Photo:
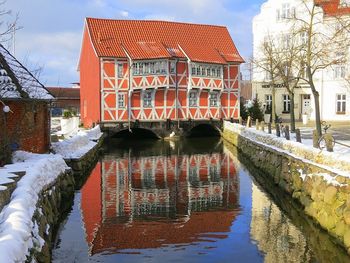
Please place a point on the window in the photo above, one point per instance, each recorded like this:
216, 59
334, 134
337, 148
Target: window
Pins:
206, 70
303, 38
120, 70
213, 99
341, 103
285, 12
150, 68
268, 76
147, 99
192, 99
121, 101
268, 101
286, 104
339, 71
286, 41
172, 67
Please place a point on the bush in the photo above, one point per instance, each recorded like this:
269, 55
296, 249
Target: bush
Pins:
243, 110
255, 111
67, 114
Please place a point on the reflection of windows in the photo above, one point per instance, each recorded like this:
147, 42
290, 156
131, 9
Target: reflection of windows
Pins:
147, 99
121, 101
341, 103
193, 173
286, 103
213, 99
148, 178
121, 175
214, 173
193, 99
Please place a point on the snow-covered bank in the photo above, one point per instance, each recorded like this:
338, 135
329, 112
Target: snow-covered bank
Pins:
18, 234
335, 161
80, 144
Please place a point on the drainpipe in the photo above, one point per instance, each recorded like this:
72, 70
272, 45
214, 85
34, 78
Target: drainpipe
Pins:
176, 96
130, 87
129, 96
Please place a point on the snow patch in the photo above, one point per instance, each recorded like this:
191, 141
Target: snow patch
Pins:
334, 162
18, 233
78, 145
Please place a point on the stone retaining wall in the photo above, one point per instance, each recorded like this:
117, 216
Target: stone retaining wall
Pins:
55, 201
323, 194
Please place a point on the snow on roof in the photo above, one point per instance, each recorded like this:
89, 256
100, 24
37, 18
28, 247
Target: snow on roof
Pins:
17, 82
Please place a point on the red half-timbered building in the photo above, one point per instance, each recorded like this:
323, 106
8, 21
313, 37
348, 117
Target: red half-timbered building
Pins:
154, 71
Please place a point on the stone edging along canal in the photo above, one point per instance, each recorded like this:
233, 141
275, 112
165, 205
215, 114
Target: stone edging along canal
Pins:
55, 201
324, 193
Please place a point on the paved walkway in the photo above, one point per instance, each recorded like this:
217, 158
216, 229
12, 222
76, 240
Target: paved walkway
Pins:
340, 131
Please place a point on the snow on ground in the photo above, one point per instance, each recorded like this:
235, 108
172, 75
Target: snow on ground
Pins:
339, 162
16, 226
78, 145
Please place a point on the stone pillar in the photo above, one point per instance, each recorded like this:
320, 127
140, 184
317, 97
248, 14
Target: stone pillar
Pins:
257, 124
278, 130
249, 122
269, 128
298, 135
329, 141
286, 132
315, 138
262, 126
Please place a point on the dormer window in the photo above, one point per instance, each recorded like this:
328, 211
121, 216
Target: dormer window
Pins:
150, 68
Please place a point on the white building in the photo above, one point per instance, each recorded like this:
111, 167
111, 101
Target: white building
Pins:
274, 21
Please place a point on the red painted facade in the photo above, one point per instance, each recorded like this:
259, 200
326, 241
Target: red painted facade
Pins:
157, 74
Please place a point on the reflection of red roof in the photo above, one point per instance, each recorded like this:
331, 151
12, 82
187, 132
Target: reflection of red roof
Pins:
114, 236
333, 7
143, 39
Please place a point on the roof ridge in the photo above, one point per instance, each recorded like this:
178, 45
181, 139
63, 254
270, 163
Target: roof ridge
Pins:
156, 20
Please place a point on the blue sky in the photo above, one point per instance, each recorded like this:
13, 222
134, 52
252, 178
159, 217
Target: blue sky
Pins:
52, 29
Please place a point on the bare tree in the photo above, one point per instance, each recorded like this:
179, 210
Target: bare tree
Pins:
326, 44
266, 61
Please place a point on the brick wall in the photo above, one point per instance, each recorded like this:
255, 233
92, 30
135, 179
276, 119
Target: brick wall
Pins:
27, 126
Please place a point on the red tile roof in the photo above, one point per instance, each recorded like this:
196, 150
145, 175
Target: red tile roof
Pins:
332, 7
142, 39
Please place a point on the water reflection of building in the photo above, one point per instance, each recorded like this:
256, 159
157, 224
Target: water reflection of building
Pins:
275, 235
150, 201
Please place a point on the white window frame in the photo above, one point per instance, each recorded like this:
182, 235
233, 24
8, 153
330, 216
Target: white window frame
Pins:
344, 3
147, 99
145, 68
340, 103
120, 70
193, 99
268, 100
121, 101
286, 103
339, 71
206, 70
214, 99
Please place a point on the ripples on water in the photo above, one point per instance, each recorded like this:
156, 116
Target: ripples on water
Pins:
188, 201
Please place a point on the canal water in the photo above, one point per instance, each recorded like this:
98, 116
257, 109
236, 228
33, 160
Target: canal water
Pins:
185, 201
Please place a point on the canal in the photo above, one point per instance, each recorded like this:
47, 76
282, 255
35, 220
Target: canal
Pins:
193, 200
